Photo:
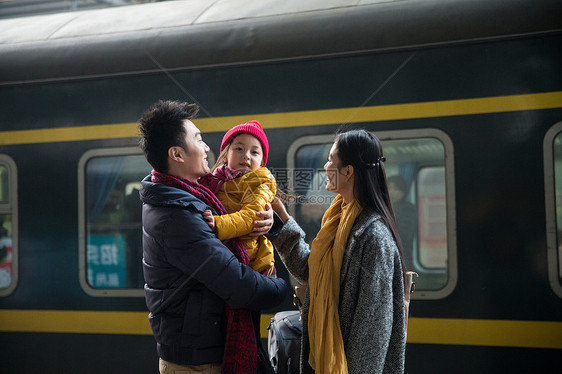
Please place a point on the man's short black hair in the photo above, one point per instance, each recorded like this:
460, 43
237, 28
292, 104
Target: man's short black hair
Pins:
162, 127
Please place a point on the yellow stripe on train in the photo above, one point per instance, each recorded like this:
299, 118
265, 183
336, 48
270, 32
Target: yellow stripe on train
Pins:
501, 333
75, 321
496, 104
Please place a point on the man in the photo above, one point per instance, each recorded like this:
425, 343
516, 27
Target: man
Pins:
199, 291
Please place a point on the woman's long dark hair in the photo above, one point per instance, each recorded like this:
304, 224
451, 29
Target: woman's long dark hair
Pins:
363, 151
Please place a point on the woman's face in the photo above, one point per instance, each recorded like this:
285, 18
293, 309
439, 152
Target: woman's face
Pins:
334, 180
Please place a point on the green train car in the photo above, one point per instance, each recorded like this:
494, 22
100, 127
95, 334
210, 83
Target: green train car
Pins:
465, 94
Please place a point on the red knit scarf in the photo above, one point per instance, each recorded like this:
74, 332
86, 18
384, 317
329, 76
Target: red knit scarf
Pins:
240, 351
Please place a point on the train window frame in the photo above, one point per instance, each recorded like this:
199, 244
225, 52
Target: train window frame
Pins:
553, 260
447, 143
82, 222
11, 207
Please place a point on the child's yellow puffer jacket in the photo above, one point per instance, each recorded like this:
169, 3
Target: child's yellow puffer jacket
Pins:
242, 198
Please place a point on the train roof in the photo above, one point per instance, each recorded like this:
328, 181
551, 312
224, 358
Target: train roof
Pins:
195, 33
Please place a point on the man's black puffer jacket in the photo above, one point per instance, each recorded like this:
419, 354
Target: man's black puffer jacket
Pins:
178, 243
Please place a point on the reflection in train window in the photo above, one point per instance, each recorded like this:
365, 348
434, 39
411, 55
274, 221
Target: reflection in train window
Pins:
4, 184
8, 226
6, 257
432, 231
309, 187
415, 170
113, 221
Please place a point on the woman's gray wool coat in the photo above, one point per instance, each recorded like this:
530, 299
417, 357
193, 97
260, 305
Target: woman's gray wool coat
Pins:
371, 305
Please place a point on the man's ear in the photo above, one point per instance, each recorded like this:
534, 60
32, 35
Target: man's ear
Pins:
175, 153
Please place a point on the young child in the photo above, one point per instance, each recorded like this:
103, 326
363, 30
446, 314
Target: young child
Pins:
244, 186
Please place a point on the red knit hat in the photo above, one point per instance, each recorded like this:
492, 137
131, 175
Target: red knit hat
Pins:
253, 128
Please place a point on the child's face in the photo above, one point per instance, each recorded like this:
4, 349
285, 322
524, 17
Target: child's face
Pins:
245, 153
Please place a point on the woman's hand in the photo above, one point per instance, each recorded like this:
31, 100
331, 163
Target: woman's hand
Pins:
280, 209
208, 217
262, 226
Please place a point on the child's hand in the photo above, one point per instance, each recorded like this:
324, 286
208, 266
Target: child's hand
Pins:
208, 216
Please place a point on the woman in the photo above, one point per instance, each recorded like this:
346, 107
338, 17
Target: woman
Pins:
353, 314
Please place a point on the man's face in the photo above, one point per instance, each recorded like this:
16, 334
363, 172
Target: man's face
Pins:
195, 159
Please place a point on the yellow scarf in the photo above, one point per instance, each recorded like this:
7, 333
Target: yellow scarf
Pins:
327, 353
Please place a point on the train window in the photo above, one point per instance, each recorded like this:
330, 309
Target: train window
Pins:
110, 213
553, 198
8, 226
420, 174
110, 221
